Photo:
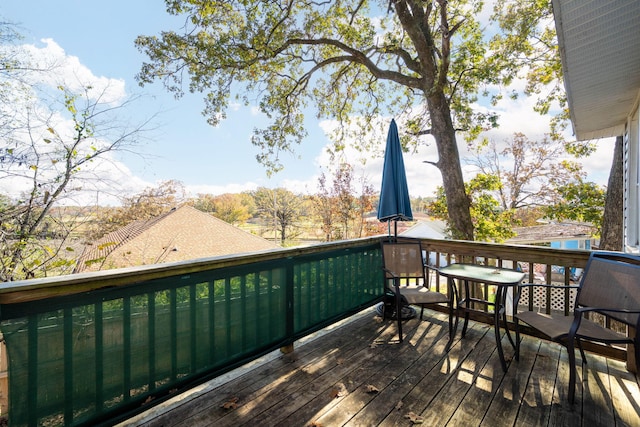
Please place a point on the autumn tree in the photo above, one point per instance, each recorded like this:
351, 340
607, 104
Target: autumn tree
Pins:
341, 209
280, 210
149, 203
366, 204
345, 201
355, 61
528, 170
231, 208
323, 207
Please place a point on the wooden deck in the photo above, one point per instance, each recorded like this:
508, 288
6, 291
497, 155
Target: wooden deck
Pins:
359, 375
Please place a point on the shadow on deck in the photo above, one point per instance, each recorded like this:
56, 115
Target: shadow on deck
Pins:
357, 374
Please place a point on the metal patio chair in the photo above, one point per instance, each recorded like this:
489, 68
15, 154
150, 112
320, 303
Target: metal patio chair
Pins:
406, 277
610, 286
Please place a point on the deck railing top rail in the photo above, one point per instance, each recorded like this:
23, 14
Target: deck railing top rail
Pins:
50, 287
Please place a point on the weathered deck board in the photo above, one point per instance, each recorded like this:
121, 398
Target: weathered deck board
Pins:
483, 390
595, 395
513, 387
387, 379
535, 406
380, 370
625, 393
465, 386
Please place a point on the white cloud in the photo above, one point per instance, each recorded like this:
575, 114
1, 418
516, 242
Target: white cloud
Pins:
68, 71
194, 190
598, 165
307, 186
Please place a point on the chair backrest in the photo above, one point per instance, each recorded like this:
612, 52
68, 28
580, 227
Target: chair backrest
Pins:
612, 281
404, 259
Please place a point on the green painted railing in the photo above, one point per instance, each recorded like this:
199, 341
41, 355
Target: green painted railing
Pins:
96, 348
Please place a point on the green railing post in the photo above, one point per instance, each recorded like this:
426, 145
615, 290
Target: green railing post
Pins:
151, 334
68, 365
126, 353
99, 364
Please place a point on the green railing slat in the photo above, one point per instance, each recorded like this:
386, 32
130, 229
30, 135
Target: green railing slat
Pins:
151, 333
126, 336
193, 330
173, 332
212, 329
99, 364
243, 312
32, 374
227, 317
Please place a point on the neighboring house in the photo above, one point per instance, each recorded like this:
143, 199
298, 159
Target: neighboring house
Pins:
560, 235
183, 233
427, 229
600, 49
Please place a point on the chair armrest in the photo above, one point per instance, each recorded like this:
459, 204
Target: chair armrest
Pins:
612, 310
577, 318
580, 310
392, 273
545, 285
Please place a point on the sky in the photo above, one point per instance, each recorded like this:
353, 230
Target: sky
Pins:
98, 39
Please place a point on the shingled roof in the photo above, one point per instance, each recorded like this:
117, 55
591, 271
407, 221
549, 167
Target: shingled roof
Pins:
551, 232
183, 233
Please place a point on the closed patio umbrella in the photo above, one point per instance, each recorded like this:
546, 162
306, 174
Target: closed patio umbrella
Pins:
394, 204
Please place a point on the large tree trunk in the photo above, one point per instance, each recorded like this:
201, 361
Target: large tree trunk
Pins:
611, 238
458, 204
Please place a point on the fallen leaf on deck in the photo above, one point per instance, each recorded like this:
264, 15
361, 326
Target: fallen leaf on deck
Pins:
377, 342
340, 361
315, 424
231, 403
415, 419
371, 389
399, 405
338, 391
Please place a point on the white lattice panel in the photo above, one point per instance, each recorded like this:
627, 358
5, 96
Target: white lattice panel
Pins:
540, 298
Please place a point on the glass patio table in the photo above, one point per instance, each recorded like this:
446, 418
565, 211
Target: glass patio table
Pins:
501, 278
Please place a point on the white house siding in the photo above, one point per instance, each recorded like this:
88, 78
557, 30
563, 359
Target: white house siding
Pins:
632, 183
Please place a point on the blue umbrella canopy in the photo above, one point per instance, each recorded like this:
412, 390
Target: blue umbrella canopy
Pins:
394, 203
